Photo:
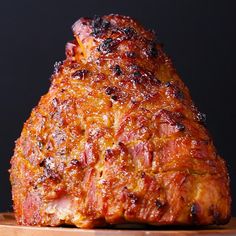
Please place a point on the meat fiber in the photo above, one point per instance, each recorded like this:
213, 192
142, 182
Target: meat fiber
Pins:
117, 139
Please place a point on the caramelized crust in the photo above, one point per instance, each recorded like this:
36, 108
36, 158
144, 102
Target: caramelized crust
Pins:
117, 139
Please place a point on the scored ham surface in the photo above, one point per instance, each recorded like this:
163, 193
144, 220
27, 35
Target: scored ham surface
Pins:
117, 139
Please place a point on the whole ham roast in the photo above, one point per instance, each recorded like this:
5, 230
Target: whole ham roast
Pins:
117, 139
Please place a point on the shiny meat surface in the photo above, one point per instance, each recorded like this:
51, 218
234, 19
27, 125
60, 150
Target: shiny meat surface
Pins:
117, 139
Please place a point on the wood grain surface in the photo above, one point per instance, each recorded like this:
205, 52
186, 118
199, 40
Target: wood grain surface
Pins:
8, 227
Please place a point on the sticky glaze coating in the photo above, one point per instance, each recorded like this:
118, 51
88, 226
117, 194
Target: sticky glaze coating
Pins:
117, 139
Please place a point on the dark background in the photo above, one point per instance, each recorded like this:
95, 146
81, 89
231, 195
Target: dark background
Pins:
199, 35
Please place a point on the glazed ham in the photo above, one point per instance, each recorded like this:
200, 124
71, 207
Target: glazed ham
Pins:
117, 139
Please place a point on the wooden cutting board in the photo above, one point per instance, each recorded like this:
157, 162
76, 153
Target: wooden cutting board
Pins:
8, 227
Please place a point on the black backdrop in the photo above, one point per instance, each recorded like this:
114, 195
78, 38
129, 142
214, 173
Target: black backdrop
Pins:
199, 35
